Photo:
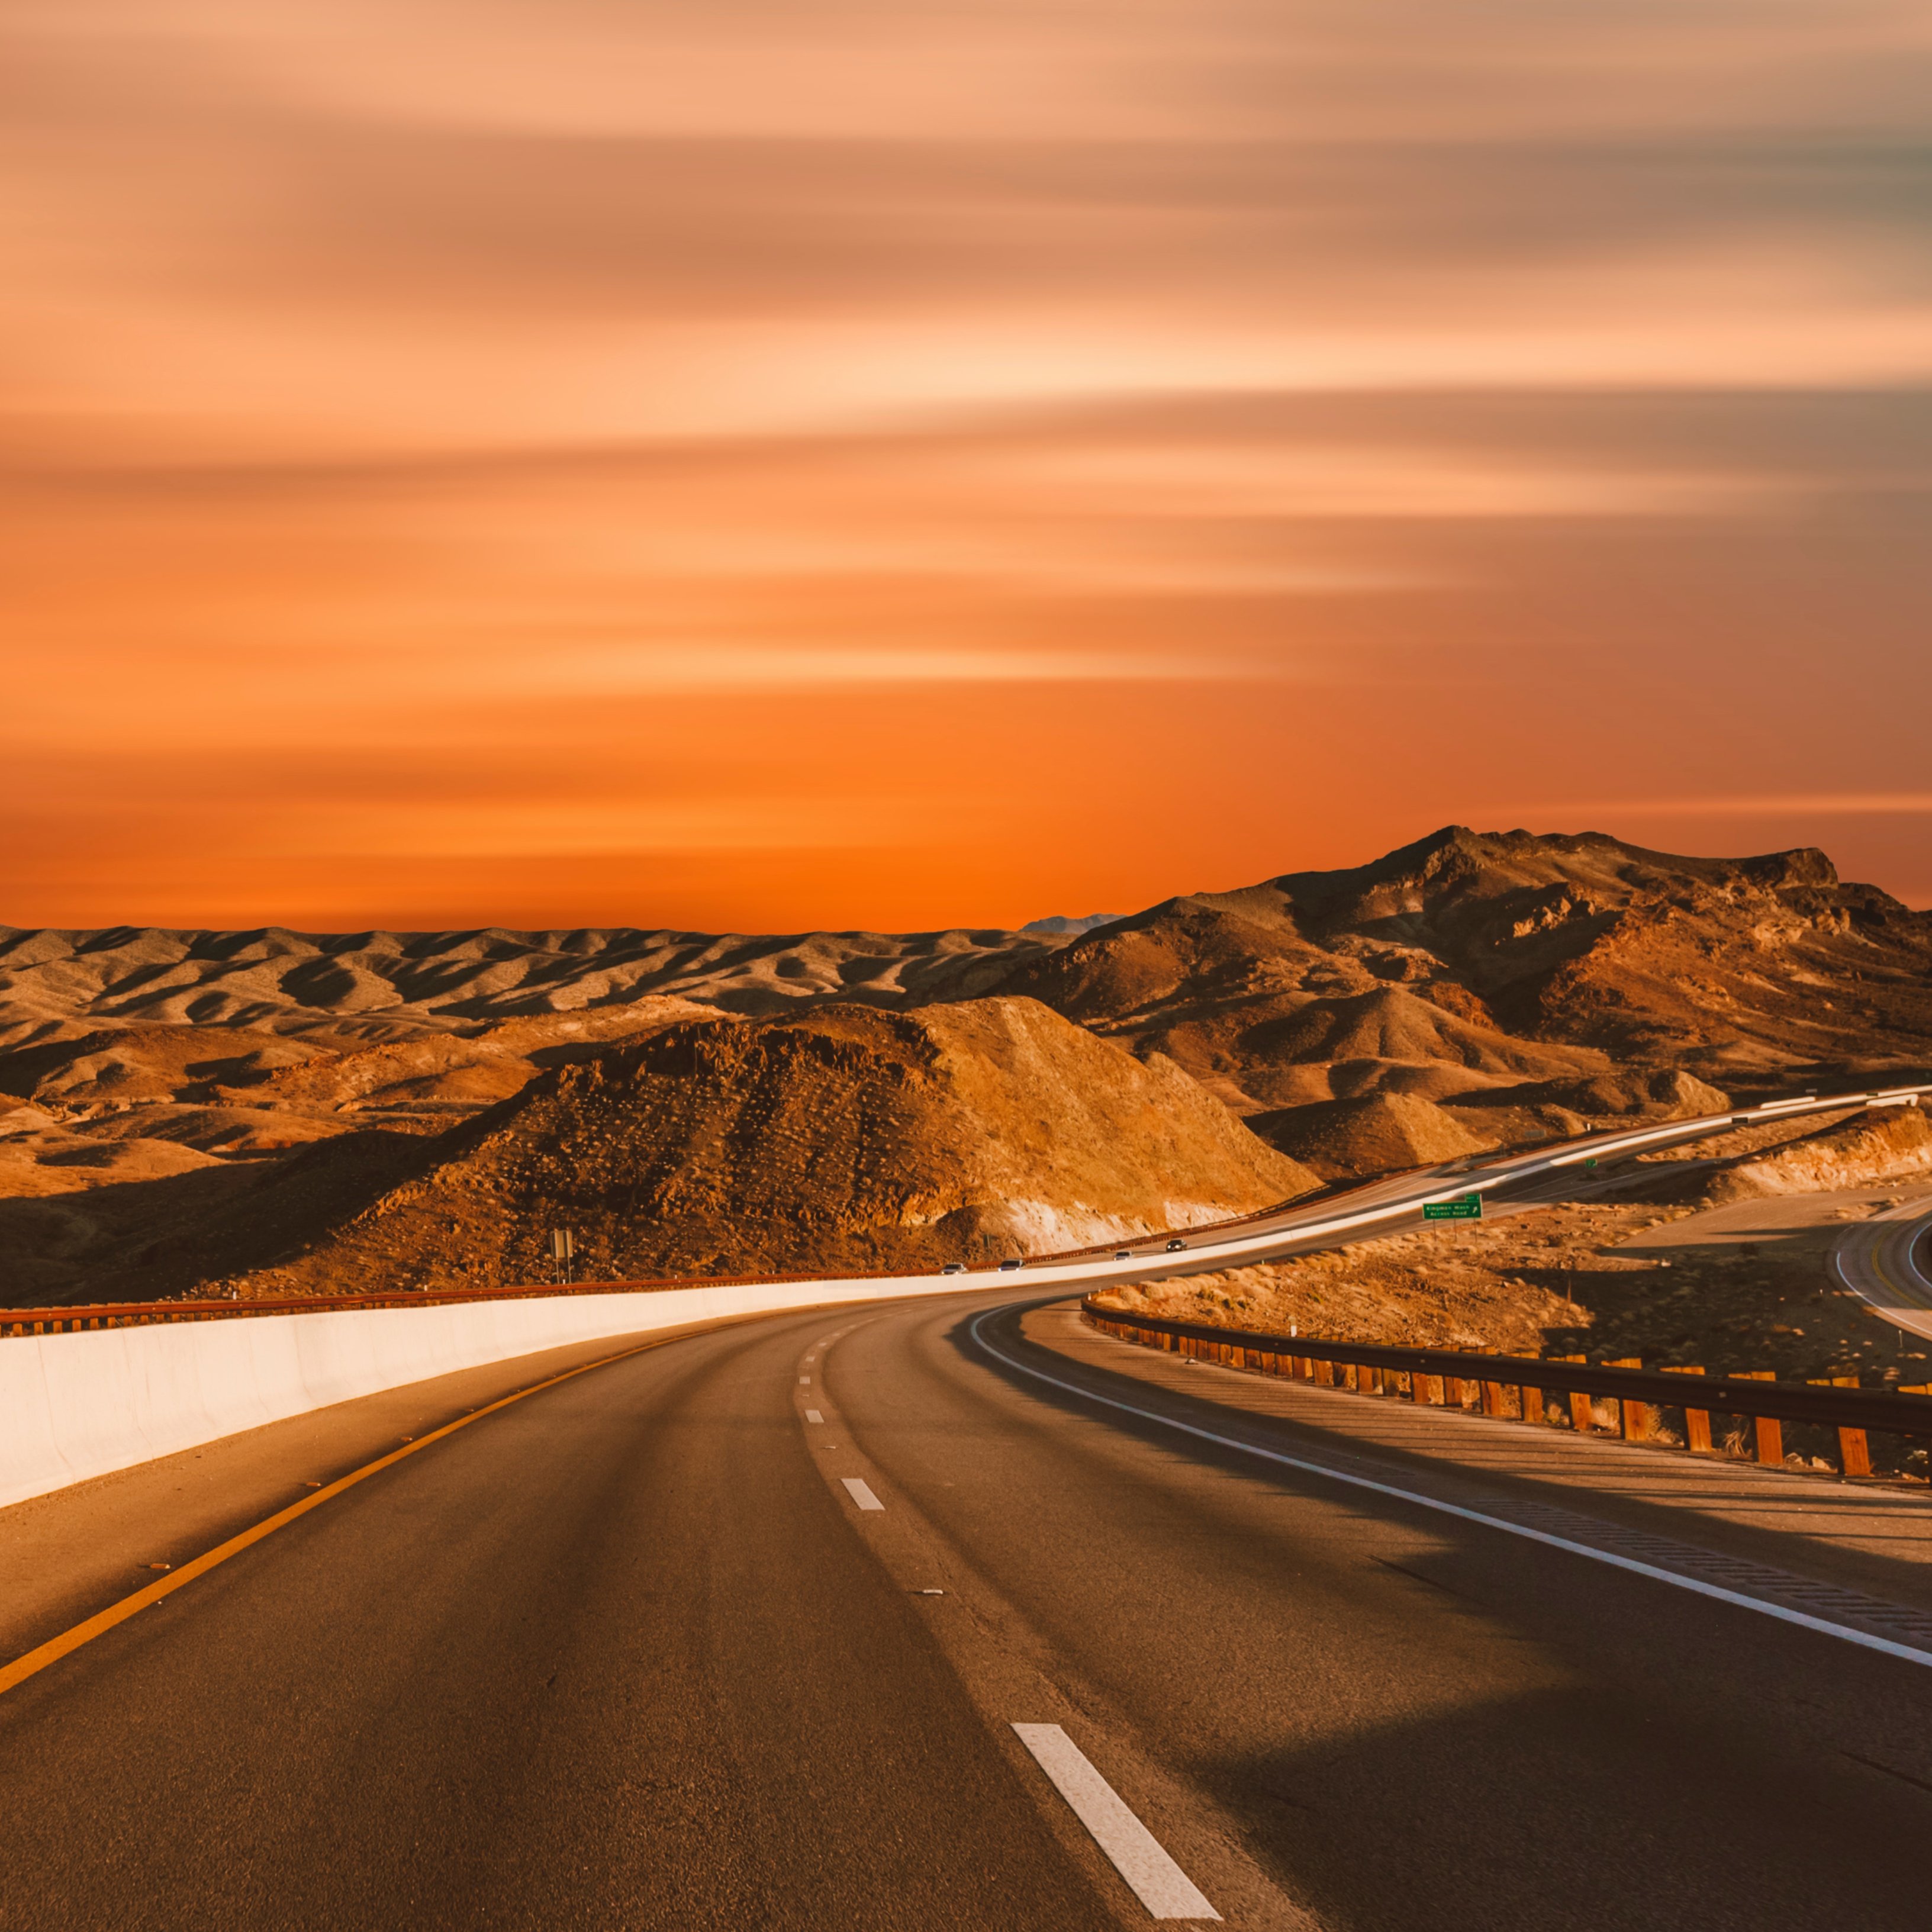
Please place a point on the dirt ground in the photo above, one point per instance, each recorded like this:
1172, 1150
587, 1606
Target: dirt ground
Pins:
1675, 1261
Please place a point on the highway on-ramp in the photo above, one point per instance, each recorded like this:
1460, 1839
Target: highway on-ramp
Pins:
1363, 1209
735, 1631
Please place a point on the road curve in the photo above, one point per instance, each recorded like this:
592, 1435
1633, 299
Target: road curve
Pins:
1382, 1204
1882, 1260
636, 1652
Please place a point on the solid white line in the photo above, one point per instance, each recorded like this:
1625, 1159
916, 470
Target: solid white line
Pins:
1842, 1631
812, 1415
861, 1492
1158, 1883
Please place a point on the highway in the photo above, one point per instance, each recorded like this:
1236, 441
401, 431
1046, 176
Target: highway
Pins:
1390, 1204
1884, 1261
638, 1652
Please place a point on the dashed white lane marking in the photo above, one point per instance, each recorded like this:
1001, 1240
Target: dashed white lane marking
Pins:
861, 1492
1157, 1881
812, 1415
805, 1381
1694, 1585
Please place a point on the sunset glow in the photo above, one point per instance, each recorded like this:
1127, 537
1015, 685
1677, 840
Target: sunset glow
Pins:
749, 467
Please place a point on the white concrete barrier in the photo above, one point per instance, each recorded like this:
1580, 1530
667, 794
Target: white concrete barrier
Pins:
76, 1405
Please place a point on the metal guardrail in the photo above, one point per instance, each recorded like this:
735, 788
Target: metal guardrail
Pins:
1512, 1387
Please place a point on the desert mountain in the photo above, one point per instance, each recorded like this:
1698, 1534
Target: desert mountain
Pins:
1527, 983
109, 1140
843, 1138
392, 985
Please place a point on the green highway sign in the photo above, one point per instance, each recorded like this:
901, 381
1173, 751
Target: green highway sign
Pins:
1464, 1208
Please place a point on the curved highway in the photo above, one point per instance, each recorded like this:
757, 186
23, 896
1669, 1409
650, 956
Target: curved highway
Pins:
1381, 1206
735, 1631
1886, 1260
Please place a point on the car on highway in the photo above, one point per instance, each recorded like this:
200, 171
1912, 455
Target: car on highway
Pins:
1176, 1247
1006, 1267
954, 1268
1124, 1254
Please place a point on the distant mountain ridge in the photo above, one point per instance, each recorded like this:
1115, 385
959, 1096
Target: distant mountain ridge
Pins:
1468, 989
391, 986
1542, 980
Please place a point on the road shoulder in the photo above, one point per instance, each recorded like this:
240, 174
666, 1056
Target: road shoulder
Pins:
1871, 1539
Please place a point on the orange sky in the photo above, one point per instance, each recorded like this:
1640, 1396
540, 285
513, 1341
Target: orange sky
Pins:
556, 462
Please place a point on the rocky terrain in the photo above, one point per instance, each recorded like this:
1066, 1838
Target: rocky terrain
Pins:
844, 1139
1470, 991
1646, 1264
1520, 985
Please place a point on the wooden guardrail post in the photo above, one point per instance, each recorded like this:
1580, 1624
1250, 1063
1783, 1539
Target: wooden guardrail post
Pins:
1421, 1392
1529, 1403
1697, 1421
1767, 1432
1489, 1395
1582, 1408
1635, 1423
1854, 1455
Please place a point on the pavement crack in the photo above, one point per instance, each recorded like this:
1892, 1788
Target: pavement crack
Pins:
1890, 1770
1447, 1589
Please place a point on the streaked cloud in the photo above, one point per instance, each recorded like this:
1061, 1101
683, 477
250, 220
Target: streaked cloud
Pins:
736, 667
1771, 805
486, 828
1103, 448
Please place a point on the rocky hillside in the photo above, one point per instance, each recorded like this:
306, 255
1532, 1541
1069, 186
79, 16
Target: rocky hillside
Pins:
1892, 1145
845, 1139
1523, 984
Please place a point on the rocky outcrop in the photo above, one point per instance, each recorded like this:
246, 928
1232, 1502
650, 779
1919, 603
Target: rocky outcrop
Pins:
845, 1140
1880, 1145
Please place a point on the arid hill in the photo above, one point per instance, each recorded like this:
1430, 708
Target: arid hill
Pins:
397, 985
1527, 984
846, 1139
116, 1146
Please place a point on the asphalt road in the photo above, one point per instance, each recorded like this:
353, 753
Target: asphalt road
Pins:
1886, 1260
629, 1653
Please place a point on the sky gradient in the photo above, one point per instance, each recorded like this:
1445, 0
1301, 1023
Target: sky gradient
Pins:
755, 466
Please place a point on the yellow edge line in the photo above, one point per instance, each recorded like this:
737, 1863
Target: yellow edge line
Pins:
69, 1641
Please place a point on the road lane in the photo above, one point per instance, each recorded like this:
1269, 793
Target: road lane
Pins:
612, 1658
1406, 1722
1881, 1262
